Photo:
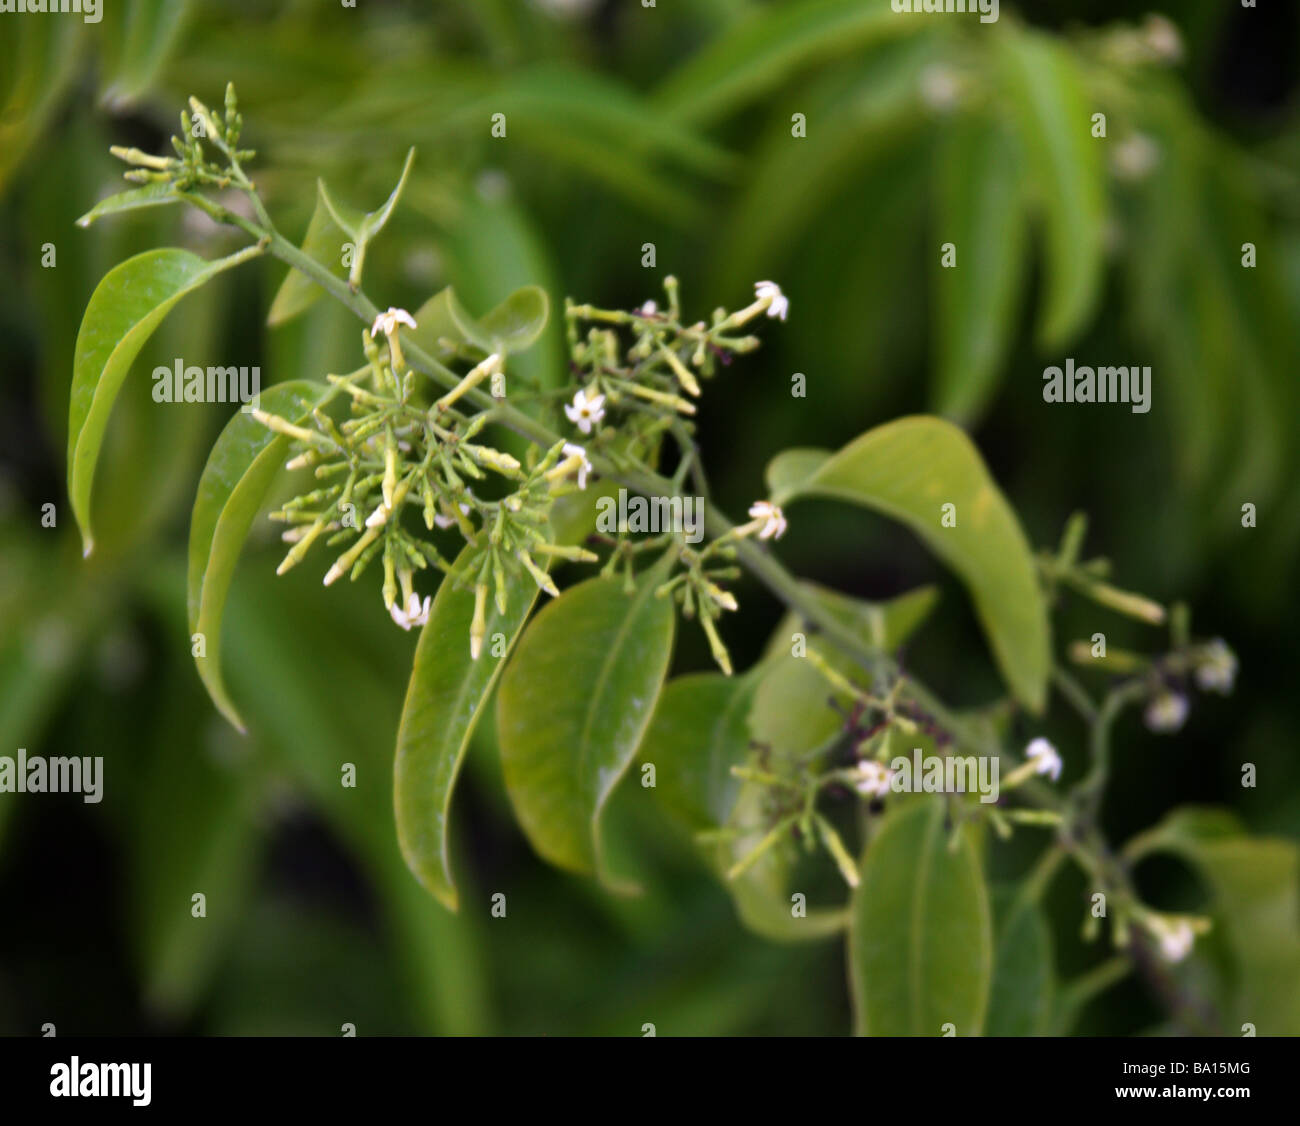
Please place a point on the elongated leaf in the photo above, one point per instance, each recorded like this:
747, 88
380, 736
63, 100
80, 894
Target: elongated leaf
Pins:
125, 308
322, 243
444, 700
151, 195
572, 709
761, 53
908, 469
981, 213
698, 733
1255, 887
920, 937
243, 463
1053, 115
1023, 978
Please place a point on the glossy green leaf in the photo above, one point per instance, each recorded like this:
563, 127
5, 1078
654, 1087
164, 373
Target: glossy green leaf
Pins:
244, 462
908, 469
979, 211
322, 243
151, 195
763, 52
698, 733
1052, 111
1023, 977
446, 695
920, 936
1254, 883
572, 709
124, 310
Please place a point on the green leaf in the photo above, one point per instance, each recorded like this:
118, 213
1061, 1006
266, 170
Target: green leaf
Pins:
123, 312
920, 936
764, 51
244, 462
151, 32
322, 243
441, 318
512, 326
1052, 112
908, 469
886, 626
981, 213
698, 733
572, 709
445, 697
1255, 888
1023, 977
762, 893
151, 195
518, 321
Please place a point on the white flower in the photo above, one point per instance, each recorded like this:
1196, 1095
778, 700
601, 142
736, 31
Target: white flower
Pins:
774, 519
386, 323
1047, 760
570, 450
873, 778
1135, 156
1175, 937
649, 309
1167, 712
1217, 671
1163, 39
415, 614
585, 411
780, 303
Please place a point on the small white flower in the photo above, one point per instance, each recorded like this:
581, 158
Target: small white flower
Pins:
586, 410
415, 614
780, 303
873, 778
1175, 937
1047, 760
649, 309
1135, 157
1217, 671
386, 323
1163, 39
1166, 713
570, 450
774, 519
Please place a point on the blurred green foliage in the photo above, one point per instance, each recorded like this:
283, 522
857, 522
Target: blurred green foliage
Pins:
625, 126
